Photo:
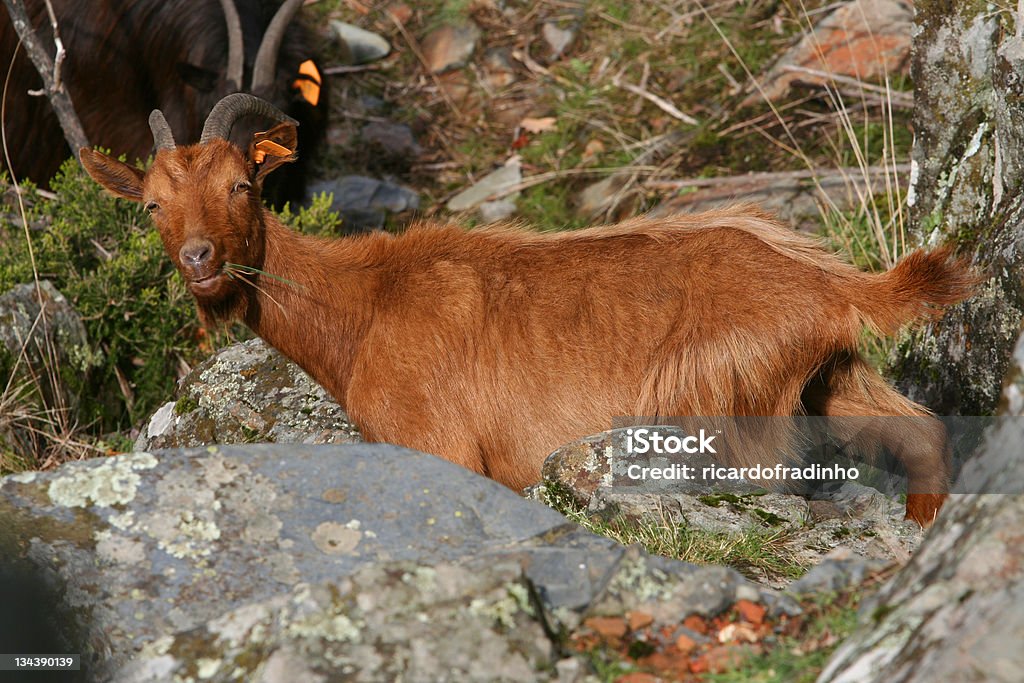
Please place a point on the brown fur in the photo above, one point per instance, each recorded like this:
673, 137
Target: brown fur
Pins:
493, 347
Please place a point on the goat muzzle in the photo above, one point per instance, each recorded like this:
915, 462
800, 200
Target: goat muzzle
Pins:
197, 265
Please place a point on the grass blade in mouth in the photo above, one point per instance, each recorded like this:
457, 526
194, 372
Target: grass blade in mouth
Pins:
249, 269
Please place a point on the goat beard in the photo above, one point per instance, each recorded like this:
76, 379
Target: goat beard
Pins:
224, 309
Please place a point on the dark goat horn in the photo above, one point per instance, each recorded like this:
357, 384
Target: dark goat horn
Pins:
266, 57
232, 108
235, 54
162, 135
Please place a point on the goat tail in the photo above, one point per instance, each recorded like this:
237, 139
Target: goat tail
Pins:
916, 288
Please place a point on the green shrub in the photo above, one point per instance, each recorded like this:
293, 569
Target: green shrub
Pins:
101, 253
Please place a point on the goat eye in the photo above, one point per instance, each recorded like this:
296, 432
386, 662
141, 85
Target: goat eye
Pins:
240, 186
152, 206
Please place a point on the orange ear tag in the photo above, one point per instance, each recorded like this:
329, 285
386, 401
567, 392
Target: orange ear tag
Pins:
309, 83
265, 147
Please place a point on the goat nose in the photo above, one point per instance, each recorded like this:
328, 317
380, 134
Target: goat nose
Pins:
196, 252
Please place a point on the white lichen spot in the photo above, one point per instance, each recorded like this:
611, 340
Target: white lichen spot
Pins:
749, 593
353, 524
122, 520
502, 611
915, 174
207, 668
193, 537
325, 625
975, 144
22, 477
112, 482
424, 579
335, 539
633, 577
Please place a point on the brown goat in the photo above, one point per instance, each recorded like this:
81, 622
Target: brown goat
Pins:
493, 347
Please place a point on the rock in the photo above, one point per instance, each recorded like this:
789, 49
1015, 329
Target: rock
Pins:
862, 39
60, 330
450, 46
491, 212
558, 39
967, 163
399, 11
247, 393
954, 613
600, 196
508, 176
360, 46
363, 202
840, 570
298, 562
394, 139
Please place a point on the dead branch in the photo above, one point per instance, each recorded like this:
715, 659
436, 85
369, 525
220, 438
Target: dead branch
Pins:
50, 71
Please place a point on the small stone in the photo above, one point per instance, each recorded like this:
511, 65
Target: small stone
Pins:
492, 212
558, 39
639, 620
399, 11
393, 138
450, 46
361, 45
494, 183
685, 644
696, 624
609, 628
722, 658
751, 611
637, 677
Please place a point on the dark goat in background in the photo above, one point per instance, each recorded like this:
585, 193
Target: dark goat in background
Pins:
128, 57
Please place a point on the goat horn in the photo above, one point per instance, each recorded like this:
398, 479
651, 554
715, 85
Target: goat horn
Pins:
232, 108
162, 136
236, 56
266, 57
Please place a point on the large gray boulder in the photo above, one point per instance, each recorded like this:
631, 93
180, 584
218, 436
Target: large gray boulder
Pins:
247, 393
968, 168
295, 562
956, 612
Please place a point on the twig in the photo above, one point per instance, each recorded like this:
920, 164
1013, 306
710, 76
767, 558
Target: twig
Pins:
49, 70
659, 102
351, 69
898, 98
776, 177
415, 47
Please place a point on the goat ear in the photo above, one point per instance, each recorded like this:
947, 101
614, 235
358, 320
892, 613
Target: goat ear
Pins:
117, 177
274, 147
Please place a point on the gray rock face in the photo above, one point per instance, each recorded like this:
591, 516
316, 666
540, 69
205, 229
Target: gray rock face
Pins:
248, 393
26, 342
364, 561
955, 612
968, 164
364, 202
